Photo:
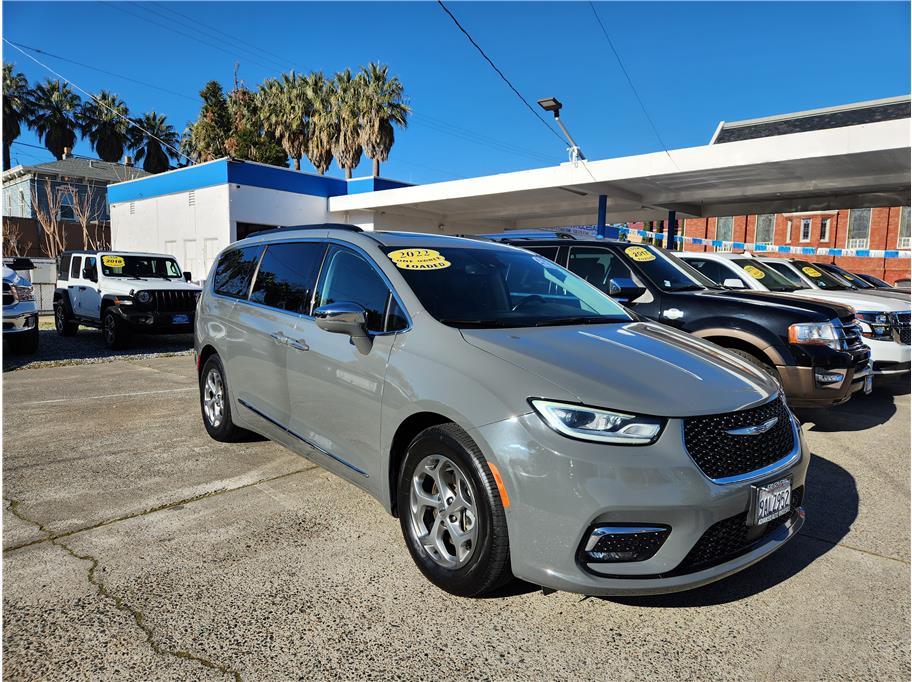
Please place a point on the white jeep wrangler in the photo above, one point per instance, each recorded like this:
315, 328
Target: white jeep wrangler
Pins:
123, 293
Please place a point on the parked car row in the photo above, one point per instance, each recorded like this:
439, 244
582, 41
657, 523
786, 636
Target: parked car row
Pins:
591, 416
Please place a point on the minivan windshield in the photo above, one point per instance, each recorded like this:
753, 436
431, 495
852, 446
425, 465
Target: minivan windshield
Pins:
501, 287
139, 267
768, 277
666, 271
823, 280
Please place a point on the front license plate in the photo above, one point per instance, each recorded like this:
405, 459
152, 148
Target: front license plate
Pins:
180, 319
770, 501
868, 384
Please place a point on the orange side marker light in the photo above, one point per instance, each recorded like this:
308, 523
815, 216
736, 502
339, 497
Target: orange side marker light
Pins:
504, 498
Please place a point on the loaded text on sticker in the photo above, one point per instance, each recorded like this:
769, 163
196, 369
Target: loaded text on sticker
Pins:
418, 259
638, 253
756, 273
113, 261
811, 272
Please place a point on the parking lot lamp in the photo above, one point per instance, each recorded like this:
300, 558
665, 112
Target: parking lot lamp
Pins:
553, 105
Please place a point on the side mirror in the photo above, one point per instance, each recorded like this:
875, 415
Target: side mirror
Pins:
345, 318
90, 274
22, 264
187, 276
624, 289
733, 283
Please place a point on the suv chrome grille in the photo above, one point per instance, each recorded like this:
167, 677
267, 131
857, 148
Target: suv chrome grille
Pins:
720, 454
169, 300
851, 331
899, 322
8, 298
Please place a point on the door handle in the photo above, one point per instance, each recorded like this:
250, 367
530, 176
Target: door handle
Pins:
279, 337
298, 344
82, 288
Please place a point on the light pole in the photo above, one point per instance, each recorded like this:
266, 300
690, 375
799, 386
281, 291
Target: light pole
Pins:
553, 105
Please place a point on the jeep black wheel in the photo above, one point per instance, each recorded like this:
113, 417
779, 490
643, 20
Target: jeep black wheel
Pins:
65, 326
451, 513
116, 335
215, 404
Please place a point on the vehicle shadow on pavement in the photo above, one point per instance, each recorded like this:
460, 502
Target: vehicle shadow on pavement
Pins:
861, 412
831, 502
88, 346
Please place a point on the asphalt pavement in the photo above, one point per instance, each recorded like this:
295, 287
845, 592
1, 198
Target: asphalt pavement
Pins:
135, 547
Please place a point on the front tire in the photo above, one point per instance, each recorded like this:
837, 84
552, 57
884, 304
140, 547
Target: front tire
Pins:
62, 322
215, 404
116, 335
451, 513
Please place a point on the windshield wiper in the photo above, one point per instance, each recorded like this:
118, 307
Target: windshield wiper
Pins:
475, 323
590, 319
690, 287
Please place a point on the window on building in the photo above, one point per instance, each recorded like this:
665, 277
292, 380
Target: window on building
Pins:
724, 231
765, 227
905, 239
825, 230
859, 228
66, 211
788, 232
806, 230
247, 229
286, 276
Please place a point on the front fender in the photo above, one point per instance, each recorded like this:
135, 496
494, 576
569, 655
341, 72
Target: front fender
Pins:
765, 341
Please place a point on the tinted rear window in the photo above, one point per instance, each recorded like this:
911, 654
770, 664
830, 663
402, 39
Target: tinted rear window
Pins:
233, 272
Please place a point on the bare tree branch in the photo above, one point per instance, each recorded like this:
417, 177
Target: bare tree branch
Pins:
13, 244
49, 217
86, 211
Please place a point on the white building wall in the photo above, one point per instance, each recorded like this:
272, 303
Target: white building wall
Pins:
273, 207
191, 226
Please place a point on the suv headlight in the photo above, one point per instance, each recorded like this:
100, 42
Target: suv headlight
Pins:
595, 424
23, 293
873, 325
143, 297
814, 334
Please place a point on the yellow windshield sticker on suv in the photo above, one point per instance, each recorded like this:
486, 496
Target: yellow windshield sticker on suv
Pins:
418, 259
113, 261
756, 273
638, 253
811, 272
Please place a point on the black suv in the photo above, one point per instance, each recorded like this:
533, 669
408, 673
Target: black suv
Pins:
815, 349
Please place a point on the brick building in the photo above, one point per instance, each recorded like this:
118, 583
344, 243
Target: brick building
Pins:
864, 228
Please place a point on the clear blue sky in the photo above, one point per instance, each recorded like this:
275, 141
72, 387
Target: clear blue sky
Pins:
693, 64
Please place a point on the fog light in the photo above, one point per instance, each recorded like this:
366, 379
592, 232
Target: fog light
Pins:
823, 377
614, 544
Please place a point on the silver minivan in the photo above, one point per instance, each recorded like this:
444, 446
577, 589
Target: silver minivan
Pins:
517, 420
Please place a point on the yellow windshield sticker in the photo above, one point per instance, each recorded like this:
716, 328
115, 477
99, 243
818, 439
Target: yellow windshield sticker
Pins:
638, 253
113, 261
756, 273
418, 259
811, 272
847, 277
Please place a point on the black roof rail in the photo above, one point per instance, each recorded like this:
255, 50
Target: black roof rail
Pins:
520, 235
315, 226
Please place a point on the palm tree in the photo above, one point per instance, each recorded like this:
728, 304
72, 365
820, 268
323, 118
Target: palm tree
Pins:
16, 108
321, 126
213, 126
54, 111
155, 145
348, 105
383, 106
105, 122
284, 108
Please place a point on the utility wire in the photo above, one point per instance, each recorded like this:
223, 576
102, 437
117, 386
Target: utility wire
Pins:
108, 73
630, 82
500, 73
99, 102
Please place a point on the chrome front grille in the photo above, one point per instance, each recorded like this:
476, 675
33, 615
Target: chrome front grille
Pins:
8, 298
899, 323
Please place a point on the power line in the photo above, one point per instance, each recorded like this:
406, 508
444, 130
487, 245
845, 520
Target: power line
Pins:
500, 73
630, 81
99, 102
104, 71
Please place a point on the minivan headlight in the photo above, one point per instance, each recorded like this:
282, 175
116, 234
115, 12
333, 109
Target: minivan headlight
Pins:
596, 424
873, 325
814, 334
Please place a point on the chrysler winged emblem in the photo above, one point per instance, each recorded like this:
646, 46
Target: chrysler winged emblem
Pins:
754, 430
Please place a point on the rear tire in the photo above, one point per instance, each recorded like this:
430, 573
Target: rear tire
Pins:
451, 513
115, 332
215, 404
62, 322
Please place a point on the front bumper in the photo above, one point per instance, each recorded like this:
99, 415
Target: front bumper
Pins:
153, 322
560, 488
804, 390
20, 317
889, 357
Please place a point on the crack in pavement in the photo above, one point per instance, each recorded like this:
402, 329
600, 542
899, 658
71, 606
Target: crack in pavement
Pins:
51, 535
119, 604
855, 549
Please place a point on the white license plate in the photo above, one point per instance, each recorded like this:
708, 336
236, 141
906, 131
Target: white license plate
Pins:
868, 384
771, 501
180, 319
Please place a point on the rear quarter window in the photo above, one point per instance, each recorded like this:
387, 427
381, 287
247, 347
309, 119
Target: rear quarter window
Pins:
233, 272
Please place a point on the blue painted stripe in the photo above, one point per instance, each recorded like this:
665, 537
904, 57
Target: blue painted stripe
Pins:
284, 179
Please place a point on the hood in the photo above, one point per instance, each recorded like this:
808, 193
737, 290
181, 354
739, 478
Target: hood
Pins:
640, 367
857, 299
897, 294
125, 286
10, 276
829, 307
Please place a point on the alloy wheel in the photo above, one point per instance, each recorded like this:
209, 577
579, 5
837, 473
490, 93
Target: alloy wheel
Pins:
214, 398
442, 511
